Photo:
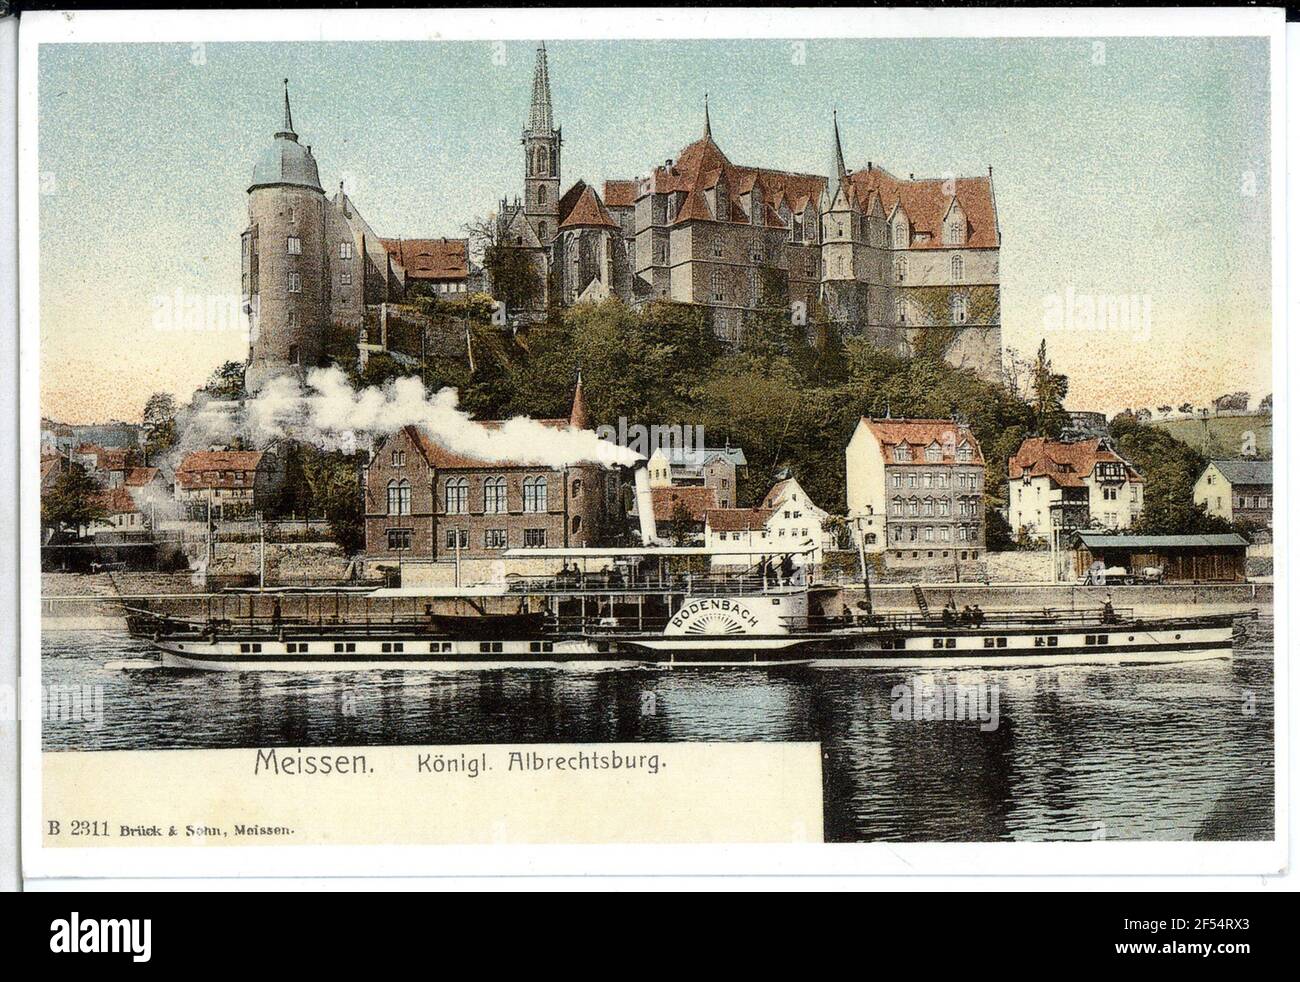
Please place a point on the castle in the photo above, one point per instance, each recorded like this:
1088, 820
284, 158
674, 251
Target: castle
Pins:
313, 267
910, 264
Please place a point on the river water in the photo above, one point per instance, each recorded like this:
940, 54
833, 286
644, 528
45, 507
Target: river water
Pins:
1160, 752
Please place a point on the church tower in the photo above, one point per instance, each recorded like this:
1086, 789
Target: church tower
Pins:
542, 143
283, 259
842, 234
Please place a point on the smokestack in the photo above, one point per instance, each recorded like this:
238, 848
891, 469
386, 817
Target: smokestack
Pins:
645, 506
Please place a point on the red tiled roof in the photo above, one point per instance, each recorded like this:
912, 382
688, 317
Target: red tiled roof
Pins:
921, 433
216, 468
588, 211
696, 500
737, 519
138, 477
620, 194
700, 166
116, 501
926, 202
1065, 463
431, 259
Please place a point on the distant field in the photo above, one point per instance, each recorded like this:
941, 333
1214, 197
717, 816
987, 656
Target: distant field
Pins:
1223, 436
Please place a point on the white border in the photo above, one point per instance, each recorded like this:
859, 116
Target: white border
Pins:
1005, 860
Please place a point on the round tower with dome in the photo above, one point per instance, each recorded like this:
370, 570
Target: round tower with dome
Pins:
284, 259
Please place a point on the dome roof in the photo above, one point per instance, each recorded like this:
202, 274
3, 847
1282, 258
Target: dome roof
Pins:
286, 161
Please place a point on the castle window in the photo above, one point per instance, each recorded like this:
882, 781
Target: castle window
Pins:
717, 247
399, 458
959, 310
541, 231
399, 497
900, 235
293, 354
756, 250
902, 269
494, 495
293, 214
345, 277
345, 250
715, 285
541, 194
810, 267
535, 494
753, 287
576, 524
900, 310
958, 269
294, 245
295, 283
953, 232
293, 320
456, 496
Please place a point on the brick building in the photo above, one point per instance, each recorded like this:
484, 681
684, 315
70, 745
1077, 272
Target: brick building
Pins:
426, 502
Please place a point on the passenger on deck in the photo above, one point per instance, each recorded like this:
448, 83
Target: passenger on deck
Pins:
949, 614
977, 616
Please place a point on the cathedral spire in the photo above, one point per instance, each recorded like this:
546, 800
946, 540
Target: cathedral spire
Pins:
539, 114
287, 128
841, 171
708, 130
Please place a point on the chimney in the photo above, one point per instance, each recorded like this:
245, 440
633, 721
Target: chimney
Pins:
645, 506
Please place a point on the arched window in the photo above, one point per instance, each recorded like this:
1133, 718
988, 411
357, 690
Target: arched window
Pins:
399, 497
902, 269
541, 194
494, 495
535, 494
576, 524
577, 487
715, 285
456, 496
900, 235
900, 310
717, 247
959, 310
958, 269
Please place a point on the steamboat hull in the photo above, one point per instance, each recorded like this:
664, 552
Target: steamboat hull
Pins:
1037, 645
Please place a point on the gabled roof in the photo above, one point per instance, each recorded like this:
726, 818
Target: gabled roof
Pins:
138, 477
926, 202
737, 519
430, 259
116, 501
1066, 464
197, 465
588, 211
921, 433
696, 500
1245, 471
699, 456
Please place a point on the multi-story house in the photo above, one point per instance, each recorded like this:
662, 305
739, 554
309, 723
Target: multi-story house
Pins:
228, 484
1051, 484
794, 511
925, 478
424, 501
709, 467
1238, 491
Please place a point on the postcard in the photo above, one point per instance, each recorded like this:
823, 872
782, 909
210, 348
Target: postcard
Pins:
456, 441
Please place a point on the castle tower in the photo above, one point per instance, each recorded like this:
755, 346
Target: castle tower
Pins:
284, 259
542, 143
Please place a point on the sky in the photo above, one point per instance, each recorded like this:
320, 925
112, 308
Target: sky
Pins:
1135, 172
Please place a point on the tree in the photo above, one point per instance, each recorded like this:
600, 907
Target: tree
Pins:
512, 271
72, 500
1049, 390
227, 382
1265, 404
1169, 469
1232, 402
159, 417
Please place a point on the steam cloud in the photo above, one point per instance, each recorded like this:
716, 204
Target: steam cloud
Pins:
327, 412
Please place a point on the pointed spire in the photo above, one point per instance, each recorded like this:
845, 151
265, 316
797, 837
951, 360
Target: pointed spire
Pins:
841, 171
287, 128
578, 418
708, 129
540, 121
